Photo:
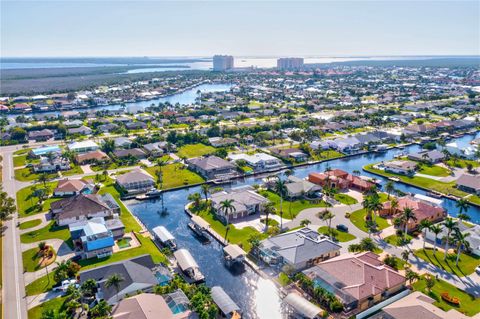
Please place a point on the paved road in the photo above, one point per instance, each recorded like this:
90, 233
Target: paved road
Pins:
14, 304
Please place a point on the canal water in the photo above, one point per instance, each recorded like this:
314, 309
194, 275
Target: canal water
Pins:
184, 98
255, 295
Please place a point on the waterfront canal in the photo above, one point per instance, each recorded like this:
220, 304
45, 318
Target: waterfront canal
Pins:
258, 297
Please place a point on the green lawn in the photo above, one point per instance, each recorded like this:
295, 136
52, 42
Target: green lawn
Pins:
358, 219
397, 241
49, 232
345, 199
26, 175
338, 235
31, 260
30, 224
111, 165
290, 208
461, 163
44, 284
434, 170
422, 182
284, 279
26, 201
19, 160
22, 151
75, 170
36, 312
195, 150
399, 263
147, 247
469, 305
176, 175
235, 236
466, 265
326, 155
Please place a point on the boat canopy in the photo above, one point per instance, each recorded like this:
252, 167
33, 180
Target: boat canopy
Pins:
432, 200
200, 222
163, 234
185, 260
302, 305
223, 301
234, 251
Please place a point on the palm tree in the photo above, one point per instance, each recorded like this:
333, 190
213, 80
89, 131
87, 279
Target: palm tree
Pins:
281, 189
436, 229
227, 207
327, 216
375, 206
269, 208
425, 225
54, 314
195, 198
411, 276
405, 254
461, 240
101, 310
114, 281
393, 205
205, 191
43, 178
389, 188
89, 288
407, 216
462, 206
450, 225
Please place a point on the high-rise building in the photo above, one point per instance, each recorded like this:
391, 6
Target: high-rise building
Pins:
222, 62
290, 63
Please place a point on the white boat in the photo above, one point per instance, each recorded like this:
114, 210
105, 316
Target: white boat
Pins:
153, 193
188, 266
164, 237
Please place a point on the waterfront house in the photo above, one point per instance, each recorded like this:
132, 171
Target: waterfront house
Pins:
245, 201
432, 157
340, 179
300, 249
400, 167
423, 210
92, 238
358, 280
42, 135
92, 157
152, 306
138, 275
82, 207
416, 306
291, 154
83, 146
297, 187
469, 183
136, 181
212, 167
258, 161
71, 187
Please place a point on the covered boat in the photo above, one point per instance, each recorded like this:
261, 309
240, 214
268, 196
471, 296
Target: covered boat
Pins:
226, 305
302, 306
188, 266
164, 237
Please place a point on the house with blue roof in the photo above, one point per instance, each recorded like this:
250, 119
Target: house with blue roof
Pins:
92, 238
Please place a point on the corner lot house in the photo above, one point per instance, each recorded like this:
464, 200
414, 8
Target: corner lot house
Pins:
301, 249
83, 207
245, 201
83, 147
137, 273
258, 161
469, 183
401, 167
212, 167
71, 187
358, 280
136, 181
152, 306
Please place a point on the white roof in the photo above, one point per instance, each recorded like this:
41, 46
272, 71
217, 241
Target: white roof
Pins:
429, 199
234, 251
82, 144
254, 159
163, 234
302, 305
185, 259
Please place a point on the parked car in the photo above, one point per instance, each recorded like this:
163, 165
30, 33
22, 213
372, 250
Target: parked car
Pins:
65, 284
477, 270
342, 227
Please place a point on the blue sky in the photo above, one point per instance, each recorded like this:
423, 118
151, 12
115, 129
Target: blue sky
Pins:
268, 28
